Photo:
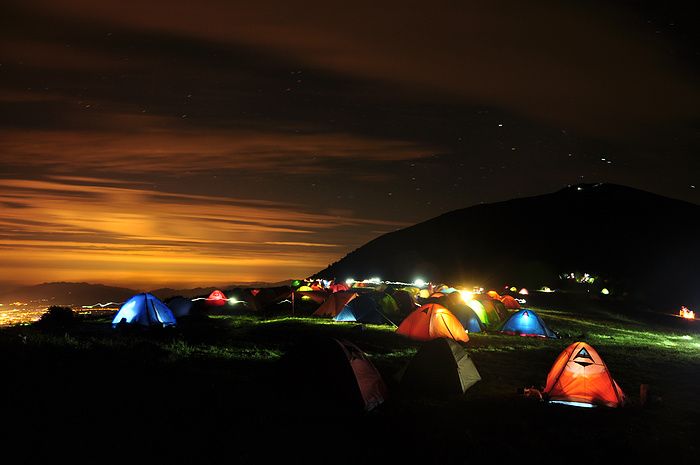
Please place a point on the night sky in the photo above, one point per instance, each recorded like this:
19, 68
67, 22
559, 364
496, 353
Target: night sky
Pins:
211, 142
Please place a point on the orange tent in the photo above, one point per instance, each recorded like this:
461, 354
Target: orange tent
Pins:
580, 375
510, 302
493, 295
432, 321
335, 303
217, 298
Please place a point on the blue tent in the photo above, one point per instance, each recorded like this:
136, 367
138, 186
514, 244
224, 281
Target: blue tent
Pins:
144, 310
362, 309
527, 323
467, 317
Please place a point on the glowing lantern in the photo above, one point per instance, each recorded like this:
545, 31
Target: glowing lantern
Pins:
605, 291
523, 291
513, 289
419, 282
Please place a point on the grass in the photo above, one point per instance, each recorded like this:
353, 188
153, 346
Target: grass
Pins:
213, 387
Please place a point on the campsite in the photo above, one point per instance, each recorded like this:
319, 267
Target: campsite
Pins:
367, 233
222, 384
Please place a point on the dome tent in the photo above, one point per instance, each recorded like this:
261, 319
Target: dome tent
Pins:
363, 309
327, 373
440, 368
432, 321
335, 303
217, 298
527, 323
464, 313
144, 310
580, 376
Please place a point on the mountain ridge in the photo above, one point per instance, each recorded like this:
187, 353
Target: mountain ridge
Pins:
632, 239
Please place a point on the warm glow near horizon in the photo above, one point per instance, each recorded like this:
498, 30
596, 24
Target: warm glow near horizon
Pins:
117, 233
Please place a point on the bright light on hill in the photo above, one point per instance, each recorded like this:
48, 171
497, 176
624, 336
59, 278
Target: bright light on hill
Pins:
466, 296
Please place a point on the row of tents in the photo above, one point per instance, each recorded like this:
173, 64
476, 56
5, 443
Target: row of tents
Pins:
446, 316
441, 368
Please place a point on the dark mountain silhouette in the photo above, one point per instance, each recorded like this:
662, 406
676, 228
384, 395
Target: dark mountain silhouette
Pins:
642, 245
65, 293
68, 293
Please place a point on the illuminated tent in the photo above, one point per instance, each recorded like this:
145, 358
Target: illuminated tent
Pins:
464, 313
144, 310
468, 317
363, 309
180, 306
326, 373
487, 311
335, 303
217, 298
432, 321
493, 295
580, 376
527, 323
440, 368
510, 302
338, 287
495, 310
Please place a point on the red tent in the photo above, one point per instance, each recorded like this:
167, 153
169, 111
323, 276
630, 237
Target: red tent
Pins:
335, 303
217, 298
510, 302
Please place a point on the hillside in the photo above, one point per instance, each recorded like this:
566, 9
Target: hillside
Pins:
639, 245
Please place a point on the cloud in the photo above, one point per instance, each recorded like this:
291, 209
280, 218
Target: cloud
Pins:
184, 151
576, 65
69, 229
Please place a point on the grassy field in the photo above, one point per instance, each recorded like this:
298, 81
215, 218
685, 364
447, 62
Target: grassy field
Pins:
212, 390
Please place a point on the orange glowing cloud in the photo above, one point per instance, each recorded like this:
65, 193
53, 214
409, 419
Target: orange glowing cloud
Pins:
65, 229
